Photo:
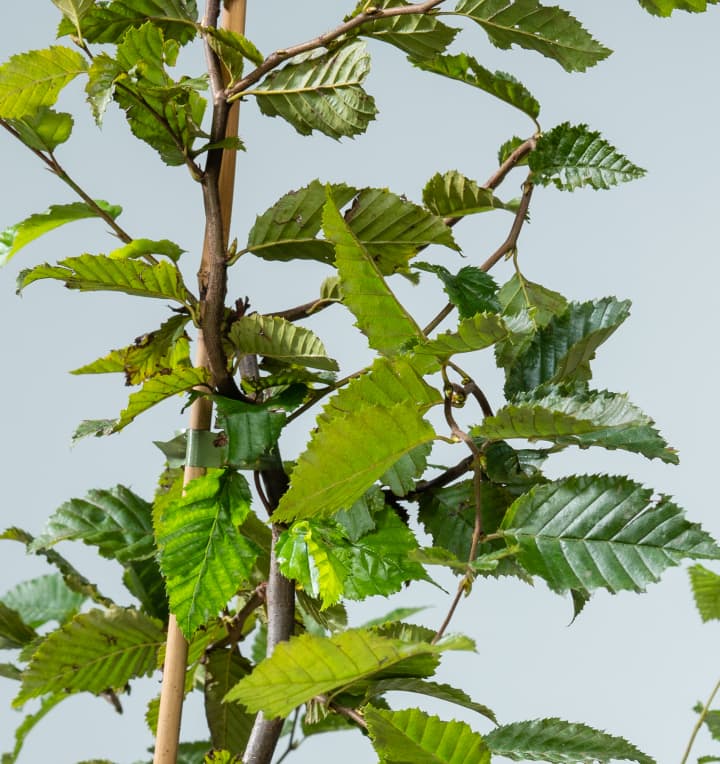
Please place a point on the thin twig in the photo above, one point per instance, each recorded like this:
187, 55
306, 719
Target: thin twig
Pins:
446, 477
510, 244
303, 311
349, 713
292, 745
701, 718
237, 623
472, 387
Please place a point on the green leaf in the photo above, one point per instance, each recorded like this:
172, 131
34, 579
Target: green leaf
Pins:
229, 725
499, 84
347, 455
252, 431
308, 665
561, 742
480, 331
578, 417
589, 532
665, 8
10, 671
454, 195
90, 273
571, 156
34, 79
142, 247
43, 599
44, 129
232, 49
549, 30
16, 237
380, 316
321, 92
117, 521
400, 478
74, 11
411, 735
562, 351
95, 651
706, 591
712, 722
14, 632
418, 35
542, 304
471, 290
28, 723
277, 338
203, 555
100, 87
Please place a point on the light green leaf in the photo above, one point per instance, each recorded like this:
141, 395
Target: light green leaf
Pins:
560, 742
16, 237
347, 455
44, 129
400, 478
475, 333
90, 273
229, 725
203, 555
571, 156
43, 599
142, 247
549, 30
471, 290
14, 632
706, 592
100, 87
499, 84
589, 532
578, 417
232, 49
277, 338
454, 195
309, 665
665, 8
418, 35
34, 79
74, 11
321, 92
117, 521
380, 316
411, 735
95, 651
28, 723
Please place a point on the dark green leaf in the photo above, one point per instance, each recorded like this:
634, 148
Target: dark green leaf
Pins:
251, 431
229, 725
454, 195
471, 290
14, 632
232, 49
706, 591
44, 599
542, 305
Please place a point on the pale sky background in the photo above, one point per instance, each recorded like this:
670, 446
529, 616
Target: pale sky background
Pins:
633, 665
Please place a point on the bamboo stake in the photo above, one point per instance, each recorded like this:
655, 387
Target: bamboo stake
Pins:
200, 418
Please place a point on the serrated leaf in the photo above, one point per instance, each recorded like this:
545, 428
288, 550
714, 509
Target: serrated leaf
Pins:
321, 92
74, 11
507, 149
665, 8
229, 725
470, 290
117, 521
43, 599
400, 478
203, 555
232, 49
277, 338
578, 417
347, 455
418, 35
465, 68
97, 650
380, 316
562, 351
251, 431
560, 742
411, 735
44, 129
549, 30
480, 331
28, 723
16, 237
706, 592
454, 195
571, 156
14, 632
308, 665
589, 532
519, 295
34, 79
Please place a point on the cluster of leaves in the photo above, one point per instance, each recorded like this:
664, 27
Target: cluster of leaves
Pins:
202, 552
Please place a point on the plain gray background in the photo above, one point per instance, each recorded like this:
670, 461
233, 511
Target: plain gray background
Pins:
633, 665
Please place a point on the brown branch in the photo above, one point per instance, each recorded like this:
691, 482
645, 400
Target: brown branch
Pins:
349, 713
510, 244
322, 41
237, 623
442, 479
303, 311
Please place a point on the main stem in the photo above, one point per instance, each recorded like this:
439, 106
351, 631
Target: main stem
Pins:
200, 418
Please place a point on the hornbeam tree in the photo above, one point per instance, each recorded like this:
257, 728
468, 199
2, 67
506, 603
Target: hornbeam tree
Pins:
242, 563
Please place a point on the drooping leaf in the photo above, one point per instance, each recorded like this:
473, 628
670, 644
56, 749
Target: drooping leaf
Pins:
347, 455
31, 80
571, 156
309, 665
232, 49
589, 532
466, 69
480, 331
549, 30
706, 592
454, 195
13, 239
95, 651
44, 129
280, 339
229, 725
578, 417
380, 316
43, 599
411, 735
203, 555
14, 632
560, 742
28, 723
251, 430
666, 7
117, 521
418, 35
470, 290
321, 92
